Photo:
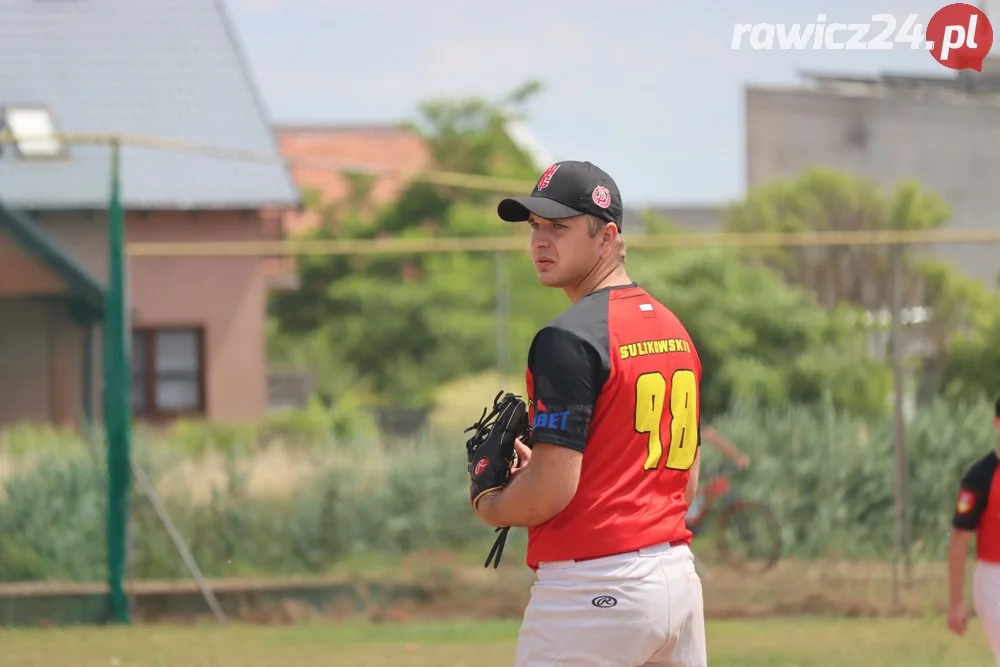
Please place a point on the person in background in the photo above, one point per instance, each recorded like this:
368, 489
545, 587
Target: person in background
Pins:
714, 437
977, 512
722, 444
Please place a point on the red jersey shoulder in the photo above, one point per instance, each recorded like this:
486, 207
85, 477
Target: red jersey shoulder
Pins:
642, 326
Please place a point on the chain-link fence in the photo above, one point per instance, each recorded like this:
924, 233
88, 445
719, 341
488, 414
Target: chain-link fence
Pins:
366, 466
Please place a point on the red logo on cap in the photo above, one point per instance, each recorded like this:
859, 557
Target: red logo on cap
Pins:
543, 182
601, 196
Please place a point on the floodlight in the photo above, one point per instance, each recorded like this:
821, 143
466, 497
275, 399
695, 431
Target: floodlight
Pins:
34, 131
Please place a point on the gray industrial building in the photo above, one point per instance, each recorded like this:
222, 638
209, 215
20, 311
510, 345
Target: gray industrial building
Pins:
943, 131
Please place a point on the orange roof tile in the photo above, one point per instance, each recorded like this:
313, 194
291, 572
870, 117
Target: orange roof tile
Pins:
378, 147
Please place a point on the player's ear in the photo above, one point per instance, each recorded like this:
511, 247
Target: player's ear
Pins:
996, 423
608, 237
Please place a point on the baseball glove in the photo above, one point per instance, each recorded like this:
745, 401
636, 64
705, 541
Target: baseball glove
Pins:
490, 454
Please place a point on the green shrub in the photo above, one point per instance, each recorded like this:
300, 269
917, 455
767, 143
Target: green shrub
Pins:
52, 519
828, 476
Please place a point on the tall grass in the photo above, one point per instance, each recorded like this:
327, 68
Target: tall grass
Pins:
284, 502
830, 477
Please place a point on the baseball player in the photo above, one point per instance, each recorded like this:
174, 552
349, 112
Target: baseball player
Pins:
714, 437
613, 394
977, 511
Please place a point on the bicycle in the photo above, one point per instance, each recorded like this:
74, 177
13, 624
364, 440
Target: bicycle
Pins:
741, 545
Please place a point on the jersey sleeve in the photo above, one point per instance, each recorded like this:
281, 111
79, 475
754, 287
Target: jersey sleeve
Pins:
973, 493
565, 369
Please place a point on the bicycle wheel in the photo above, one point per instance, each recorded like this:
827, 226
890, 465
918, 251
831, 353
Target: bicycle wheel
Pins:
748, 536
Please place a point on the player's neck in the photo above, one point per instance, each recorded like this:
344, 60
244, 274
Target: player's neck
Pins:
599, 278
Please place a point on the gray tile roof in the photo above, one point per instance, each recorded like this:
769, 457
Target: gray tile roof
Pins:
169, 69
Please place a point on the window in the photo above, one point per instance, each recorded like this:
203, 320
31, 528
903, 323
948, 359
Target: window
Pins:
168, 372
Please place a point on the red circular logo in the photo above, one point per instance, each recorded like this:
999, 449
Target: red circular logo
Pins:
601, 196
480, 466
960, 36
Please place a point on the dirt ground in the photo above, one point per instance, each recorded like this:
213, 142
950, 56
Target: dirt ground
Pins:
449, 591
445, 587
792, 588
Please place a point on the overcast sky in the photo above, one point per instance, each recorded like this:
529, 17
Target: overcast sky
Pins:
649, 90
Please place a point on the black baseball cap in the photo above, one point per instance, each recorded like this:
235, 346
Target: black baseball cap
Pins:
567, 189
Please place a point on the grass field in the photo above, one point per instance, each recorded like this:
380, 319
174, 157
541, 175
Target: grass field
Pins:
814, 642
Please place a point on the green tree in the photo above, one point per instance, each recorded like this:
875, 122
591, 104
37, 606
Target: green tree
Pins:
405, 324
400, 326
961, 330
826, 200
760, 339
469, 135
970, 368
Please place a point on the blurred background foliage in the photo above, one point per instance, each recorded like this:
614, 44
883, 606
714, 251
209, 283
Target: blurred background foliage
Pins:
793, 343
785, 326
289, 499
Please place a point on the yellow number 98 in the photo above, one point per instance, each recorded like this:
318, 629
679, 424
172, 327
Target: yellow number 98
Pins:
650, 394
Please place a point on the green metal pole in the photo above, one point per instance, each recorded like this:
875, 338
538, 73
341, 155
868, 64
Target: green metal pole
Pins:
88, 374
117, 391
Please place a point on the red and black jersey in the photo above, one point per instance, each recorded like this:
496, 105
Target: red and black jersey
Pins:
616, 377
978, 507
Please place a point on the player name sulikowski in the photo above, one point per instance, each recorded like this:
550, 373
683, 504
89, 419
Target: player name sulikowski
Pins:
654, 347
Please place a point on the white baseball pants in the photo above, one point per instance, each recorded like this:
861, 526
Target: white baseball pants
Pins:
638, 609
986, 600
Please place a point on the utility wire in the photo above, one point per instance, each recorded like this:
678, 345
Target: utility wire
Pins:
411, 246
477, 182
437, 177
